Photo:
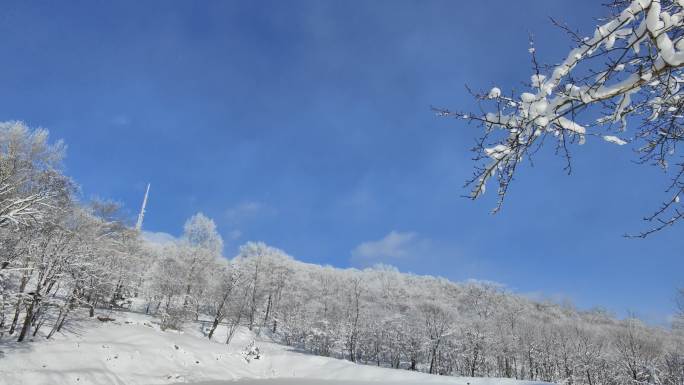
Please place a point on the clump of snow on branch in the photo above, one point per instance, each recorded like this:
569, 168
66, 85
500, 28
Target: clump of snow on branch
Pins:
494, 93
614, 139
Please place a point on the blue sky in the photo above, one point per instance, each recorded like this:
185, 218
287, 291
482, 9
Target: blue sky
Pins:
307, 125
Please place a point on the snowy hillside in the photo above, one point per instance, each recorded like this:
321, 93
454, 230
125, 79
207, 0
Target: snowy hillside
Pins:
132, 349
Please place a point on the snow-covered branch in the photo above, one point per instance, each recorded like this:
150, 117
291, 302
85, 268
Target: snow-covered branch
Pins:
628, 71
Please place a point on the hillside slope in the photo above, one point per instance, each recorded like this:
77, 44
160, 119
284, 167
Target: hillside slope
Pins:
133, 350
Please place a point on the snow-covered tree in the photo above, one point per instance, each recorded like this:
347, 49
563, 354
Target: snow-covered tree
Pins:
222, 292
200, 231
198, 252
30, 177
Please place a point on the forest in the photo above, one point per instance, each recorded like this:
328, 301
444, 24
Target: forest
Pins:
63, 258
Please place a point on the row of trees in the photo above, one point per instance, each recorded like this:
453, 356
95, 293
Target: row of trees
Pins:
57, 254
382, 317
62, 258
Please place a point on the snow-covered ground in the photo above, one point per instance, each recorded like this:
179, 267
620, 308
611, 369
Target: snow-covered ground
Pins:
133, 350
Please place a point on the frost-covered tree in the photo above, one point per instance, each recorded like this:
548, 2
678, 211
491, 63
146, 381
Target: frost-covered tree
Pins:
187, 275
437, 326
629, 73
200, 231
200, 248
30, 177
222, 293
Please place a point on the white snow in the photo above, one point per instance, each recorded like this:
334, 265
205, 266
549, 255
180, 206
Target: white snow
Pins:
132, 350
494, 93
527, 97
301, 381
498, 151
571, 126
537, 80
614, 139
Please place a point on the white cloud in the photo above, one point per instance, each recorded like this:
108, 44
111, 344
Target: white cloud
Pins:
234, 234
158, 238
394, 245
411, 251
248, 210
486, 282
558, 298
239, 216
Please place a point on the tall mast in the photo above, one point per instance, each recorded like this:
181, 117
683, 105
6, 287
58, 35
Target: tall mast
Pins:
138, 225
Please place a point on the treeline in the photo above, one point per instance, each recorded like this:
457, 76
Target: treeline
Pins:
61, 258
383, 317
57, 254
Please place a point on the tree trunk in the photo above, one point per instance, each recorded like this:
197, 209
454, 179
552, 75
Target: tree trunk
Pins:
268, 308
233, 327
215, 324
58, 324
433, 360
27, 322
2, 314
38, 325
22, 287
16, 317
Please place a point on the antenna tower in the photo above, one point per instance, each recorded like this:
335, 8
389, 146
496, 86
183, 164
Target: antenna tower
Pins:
138, 225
